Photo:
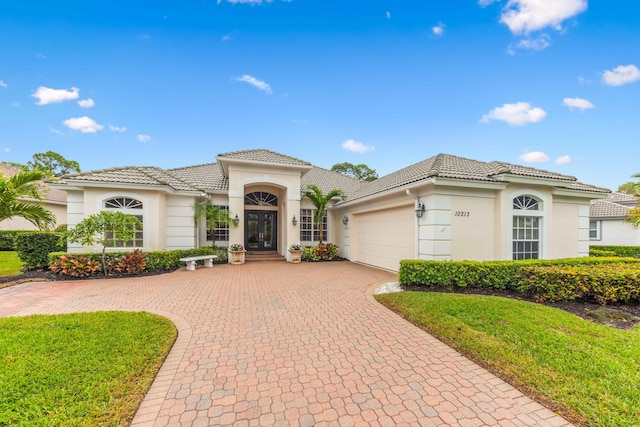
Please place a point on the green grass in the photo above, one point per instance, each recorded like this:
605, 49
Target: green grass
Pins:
83, 369
10, 264
589, 373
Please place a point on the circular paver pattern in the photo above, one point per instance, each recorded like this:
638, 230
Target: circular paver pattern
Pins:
272, 343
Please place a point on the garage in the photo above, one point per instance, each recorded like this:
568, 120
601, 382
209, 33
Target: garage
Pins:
382, 238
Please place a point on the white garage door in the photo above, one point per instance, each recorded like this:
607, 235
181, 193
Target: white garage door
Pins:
383, 238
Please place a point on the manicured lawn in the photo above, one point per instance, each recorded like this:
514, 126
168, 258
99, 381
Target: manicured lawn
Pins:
10, 263
89, 369
587, 372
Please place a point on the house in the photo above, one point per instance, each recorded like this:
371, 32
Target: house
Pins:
442, 208
55, 200
606, 221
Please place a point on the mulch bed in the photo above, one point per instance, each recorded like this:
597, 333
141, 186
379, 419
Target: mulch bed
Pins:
621, 316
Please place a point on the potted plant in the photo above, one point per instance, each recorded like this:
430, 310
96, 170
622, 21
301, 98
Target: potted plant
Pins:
237, 253
296, 253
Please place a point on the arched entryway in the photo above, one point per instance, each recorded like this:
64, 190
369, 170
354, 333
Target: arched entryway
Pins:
261, 221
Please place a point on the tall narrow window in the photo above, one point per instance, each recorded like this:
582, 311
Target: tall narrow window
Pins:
594, 230
526, 228
129, 206
308, 230
222, 227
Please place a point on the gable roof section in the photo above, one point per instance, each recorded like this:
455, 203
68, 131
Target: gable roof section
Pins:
136, 175
460, 168
622, 198
260, 156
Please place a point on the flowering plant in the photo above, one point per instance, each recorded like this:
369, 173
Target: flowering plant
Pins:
236, 247
295, 247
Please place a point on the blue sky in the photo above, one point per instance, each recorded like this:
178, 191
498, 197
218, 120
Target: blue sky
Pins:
553, 84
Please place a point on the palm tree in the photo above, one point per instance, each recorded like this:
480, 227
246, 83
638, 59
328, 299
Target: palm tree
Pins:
213, 216
320, 202
20, 196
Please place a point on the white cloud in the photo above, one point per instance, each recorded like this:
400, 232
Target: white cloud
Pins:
113, 128
519, 114
579, 103
83, 124
144, 138
2, 84
534, 157
57, 132
564, 160
388, 14
485, 3
525, 16
227, 37
356, 146
621, 75
254, 82
47, 95
584, 81
251, 1
539, 43
6, 149
438, 30
86, 103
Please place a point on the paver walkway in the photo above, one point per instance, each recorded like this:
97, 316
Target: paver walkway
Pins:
283, 344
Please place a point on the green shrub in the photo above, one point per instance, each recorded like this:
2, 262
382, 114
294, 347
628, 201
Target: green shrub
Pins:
322, 252
33, 248
8, 238
158, 261
75, 265
619, 251
601, 253
603, 284
539, 278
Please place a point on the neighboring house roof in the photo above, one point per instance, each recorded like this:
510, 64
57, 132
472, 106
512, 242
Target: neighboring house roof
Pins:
51, 195
212, 177
453, 167
603, 209
615, 206
137, 175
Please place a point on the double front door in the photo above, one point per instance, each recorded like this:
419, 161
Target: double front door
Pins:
260, 231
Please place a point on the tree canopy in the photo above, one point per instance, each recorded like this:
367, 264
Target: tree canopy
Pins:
320, 202
50, 163
214, 216
359, 171
631, 188
13, 192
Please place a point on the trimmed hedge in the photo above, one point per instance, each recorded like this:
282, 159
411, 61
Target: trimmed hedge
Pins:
8, 238
525, 276
34, 247
619, 251
156, 261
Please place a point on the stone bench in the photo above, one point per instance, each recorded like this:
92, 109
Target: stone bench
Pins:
191, 261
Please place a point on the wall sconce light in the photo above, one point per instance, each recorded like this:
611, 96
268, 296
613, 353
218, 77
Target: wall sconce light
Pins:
345, 220
294, 221
419, 209
236, 220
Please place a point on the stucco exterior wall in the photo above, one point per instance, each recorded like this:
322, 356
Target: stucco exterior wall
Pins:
180, 224
564, 231
617, 233
16, 223
472, 227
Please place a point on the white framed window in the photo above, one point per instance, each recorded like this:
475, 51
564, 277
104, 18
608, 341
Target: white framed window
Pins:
308, 230
526, 227
222, 227
595, 230
131, 206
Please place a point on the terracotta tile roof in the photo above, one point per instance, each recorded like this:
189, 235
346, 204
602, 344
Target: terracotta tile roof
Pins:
138, 175
621, 198
262, 155
207, 177
328, 180
607, 209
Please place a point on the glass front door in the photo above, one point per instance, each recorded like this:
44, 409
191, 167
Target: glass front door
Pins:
260, 231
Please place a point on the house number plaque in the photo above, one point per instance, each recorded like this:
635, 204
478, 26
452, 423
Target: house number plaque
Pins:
462, 213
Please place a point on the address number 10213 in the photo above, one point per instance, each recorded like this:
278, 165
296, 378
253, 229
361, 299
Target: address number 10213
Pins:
462, 213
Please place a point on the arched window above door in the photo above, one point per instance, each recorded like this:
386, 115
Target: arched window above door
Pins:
260, 198
526, 203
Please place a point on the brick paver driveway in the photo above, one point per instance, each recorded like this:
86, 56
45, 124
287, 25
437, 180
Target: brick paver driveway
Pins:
282, 344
